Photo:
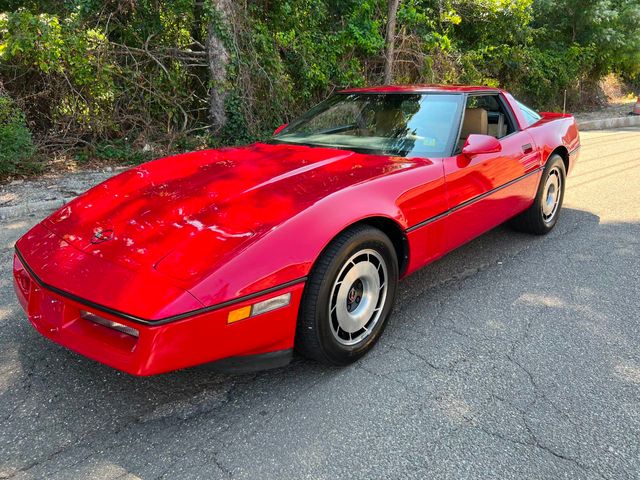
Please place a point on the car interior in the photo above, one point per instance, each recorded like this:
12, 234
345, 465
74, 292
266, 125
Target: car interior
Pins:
387, 121
484, 115
403, 121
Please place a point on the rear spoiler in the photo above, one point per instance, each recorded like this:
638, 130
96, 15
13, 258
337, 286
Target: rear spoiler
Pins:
555, 115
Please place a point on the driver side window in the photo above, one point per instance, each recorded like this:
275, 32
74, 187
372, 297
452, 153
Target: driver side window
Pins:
485, 115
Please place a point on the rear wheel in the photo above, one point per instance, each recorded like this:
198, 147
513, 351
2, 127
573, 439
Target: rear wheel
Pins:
348, 297
541, 217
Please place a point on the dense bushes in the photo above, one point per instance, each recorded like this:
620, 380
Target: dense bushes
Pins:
16, 145
137, 75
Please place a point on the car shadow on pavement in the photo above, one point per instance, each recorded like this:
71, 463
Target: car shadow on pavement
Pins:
453, 341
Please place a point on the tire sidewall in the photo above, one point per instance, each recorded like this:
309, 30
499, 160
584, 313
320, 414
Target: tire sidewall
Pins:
336, 352
553, 161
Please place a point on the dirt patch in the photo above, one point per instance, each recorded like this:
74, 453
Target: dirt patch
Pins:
618, 109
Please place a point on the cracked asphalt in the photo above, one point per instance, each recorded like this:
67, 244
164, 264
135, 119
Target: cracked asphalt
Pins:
513, 357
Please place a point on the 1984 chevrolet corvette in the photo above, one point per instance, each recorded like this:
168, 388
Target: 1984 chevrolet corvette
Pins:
239, 255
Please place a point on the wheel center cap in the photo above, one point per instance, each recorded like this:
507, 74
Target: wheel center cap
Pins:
354, 297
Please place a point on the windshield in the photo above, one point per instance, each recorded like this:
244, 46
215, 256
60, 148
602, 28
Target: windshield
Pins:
404, 125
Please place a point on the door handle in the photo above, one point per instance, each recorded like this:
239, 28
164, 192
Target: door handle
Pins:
527, 148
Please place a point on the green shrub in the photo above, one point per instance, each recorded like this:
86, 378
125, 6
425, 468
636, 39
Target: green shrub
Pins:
121, 151
92, 76
16, 144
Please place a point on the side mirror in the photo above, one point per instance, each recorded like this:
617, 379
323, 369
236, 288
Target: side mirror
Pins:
478, 144
280, 128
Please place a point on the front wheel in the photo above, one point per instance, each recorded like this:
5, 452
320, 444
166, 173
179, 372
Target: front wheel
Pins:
542, 216
348, 297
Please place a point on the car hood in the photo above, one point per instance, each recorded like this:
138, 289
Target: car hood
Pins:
212, 202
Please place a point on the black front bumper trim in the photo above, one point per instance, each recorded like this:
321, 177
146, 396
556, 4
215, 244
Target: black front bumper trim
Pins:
251, 363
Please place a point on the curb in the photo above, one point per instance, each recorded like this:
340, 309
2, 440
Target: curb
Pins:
606, 123
7, 213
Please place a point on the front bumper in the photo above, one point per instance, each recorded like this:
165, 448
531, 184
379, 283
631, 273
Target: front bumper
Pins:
197, 339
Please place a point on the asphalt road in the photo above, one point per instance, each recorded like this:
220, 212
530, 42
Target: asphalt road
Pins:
513, 357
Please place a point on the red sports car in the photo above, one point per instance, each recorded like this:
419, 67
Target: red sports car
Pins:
239, 255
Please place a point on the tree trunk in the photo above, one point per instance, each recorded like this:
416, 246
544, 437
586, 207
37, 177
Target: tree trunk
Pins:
218, 60
390, 40
196, 27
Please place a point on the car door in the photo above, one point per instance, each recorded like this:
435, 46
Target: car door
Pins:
485, 190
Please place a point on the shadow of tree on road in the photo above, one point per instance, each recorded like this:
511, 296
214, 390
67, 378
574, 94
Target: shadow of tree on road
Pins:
516, 339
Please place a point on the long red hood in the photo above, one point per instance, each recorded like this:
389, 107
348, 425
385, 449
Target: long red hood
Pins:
211, 202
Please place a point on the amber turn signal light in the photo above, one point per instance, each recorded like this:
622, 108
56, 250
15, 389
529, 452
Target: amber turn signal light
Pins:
259, 308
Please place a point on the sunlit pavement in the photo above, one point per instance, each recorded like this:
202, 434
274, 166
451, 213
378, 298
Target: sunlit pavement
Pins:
514, 357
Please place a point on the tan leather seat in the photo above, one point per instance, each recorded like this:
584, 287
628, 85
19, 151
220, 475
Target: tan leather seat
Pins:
498, 130
476, 120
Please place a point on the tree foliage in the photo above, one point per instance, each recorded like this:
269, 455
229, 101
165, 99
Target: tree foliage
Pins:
16, 144
92, 72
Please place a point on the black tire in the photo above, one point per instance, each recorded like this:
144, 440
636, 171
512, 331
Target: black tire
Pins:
533, 220
316, 336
